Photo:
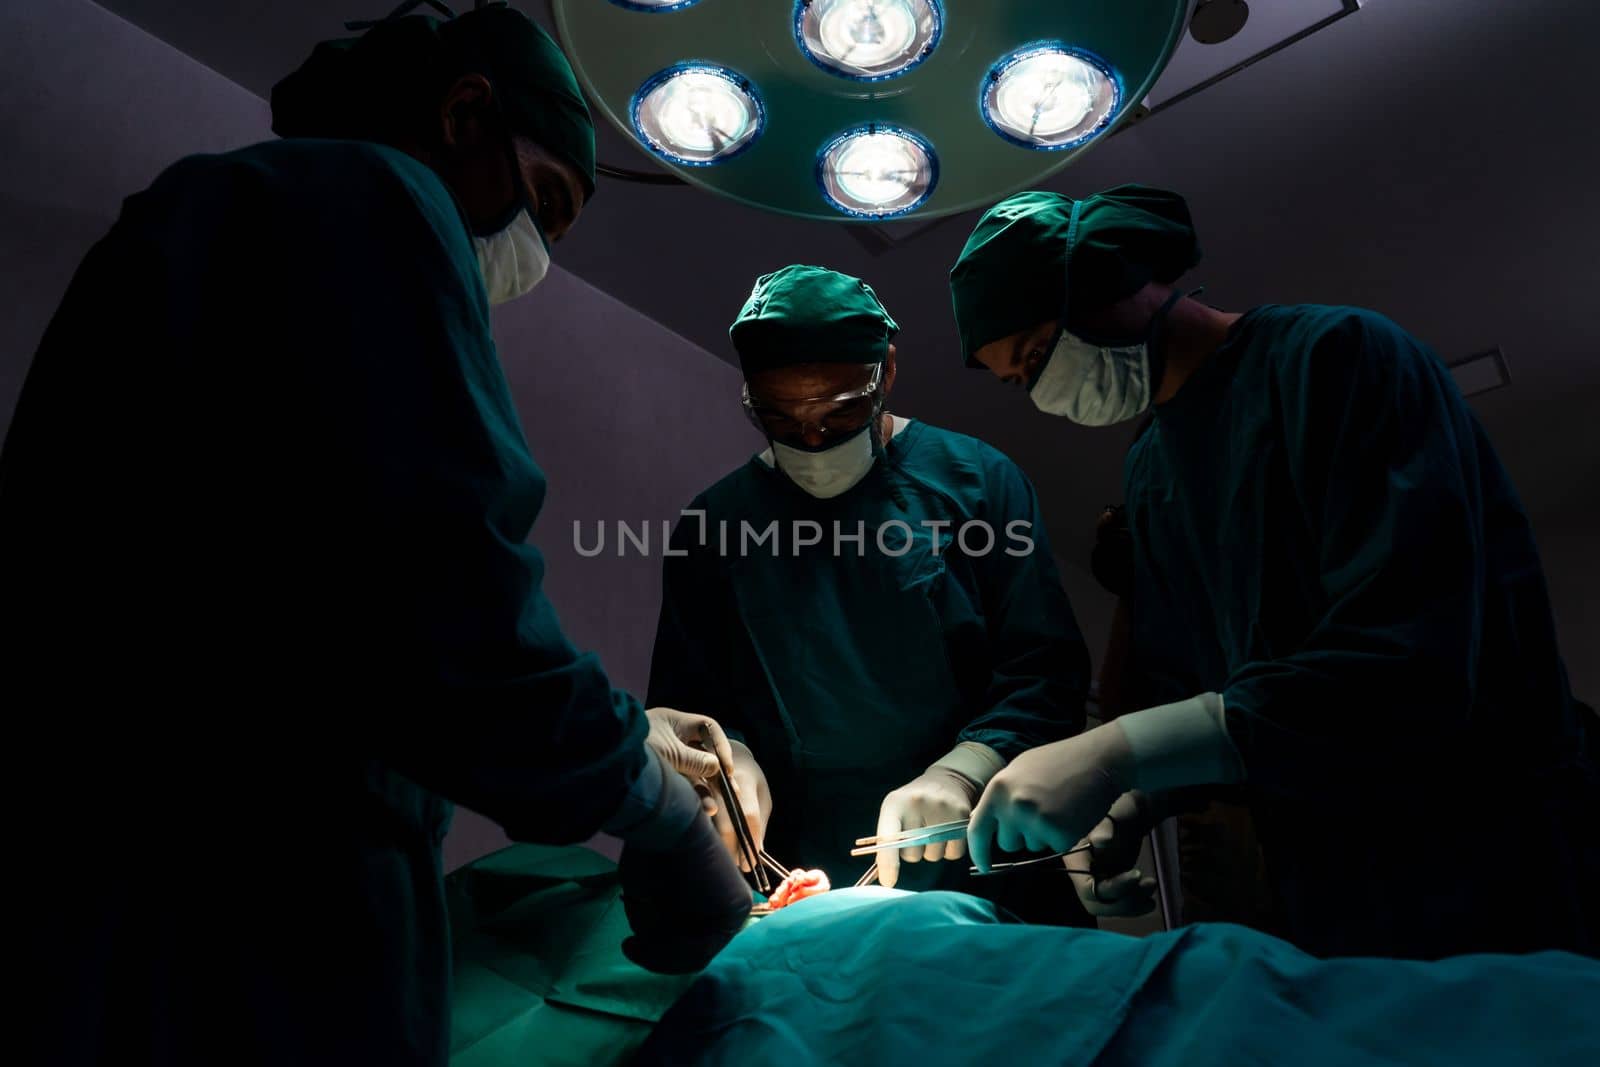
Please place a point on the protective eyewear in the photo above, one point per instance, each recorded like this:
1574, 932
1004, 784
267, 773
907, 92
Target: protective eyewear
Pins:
830, 416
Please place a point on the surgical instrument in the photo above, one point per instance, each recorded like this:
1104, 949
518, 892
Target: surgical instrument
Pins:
996, 868
747, 845
773, 865
922, 835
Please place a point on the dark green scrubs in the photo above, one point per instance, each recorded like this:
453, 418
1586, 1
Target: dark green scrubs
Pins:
1324, 535
267, 607
849, 671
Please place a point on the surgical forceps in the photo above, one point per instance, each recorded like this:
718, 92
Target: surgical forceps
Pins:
945, 831
760, 863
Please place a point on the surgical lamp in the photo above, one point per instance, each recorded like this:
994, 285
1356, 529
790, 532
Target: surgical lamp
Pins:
865, 110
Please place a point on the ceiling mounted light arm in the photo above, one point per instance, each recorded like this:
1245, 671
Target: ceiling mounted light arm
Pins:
643, 177
1347, 8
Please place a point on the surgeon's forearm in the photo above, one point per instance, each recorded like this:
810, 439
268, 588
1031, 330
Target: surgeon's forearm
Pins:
1040, 716
1181, 744
505, 765
974, 761
1039, 670
1026, 707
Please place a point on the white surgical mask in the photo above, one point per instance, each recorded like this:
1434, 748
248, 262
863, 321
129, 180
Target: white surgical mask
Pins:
829, 472
514, 259
1100, 384
1093, 385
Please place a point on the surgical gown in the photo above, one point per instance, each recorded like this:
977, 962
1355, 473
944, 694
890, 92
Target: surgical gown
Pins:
267, 608
1324, 535
849, 666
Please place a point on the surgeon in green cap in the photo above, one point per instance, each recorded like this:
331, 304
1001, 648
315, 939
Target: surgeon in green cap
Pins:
868, 605
268, 603
1337, 605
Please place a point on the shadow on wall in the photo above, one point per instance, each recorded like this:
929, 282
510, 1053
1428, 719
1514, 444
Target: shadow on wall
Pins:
629, 421
94, 109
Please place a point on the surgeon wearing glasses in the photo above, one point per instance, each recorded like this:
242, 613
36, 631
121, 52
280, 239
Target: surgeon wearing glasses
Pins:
869, 606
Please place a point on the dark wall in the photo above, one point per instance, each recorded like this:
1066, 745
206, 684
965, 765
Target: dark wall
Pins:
91, 110
628, 420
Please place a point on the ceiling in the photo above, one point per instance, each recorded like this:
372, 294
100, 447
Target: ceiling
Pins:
1431, 159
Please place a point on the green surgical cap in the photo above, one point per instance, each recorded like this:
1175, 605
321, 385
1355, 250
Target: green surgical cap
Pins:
810, 315
373, 86
1014, 272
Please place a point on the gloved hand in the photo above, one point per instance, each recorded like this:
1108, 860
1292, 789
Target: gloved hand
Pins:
675, 737
1181, 744
1050, 797
683, 897
939, 794
750, 784
1104, 875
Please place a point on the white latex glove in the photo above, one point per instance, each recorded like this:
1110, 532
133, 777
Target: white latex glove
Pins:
750, 785
1104, 874
1050, 797
939, 794
675, 738
1180, 744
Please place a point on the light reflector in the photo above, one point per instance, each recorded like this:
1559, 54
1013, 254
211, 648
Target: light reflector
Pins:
655, 5
877, 171
867, 40
696, 114
1050, 96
